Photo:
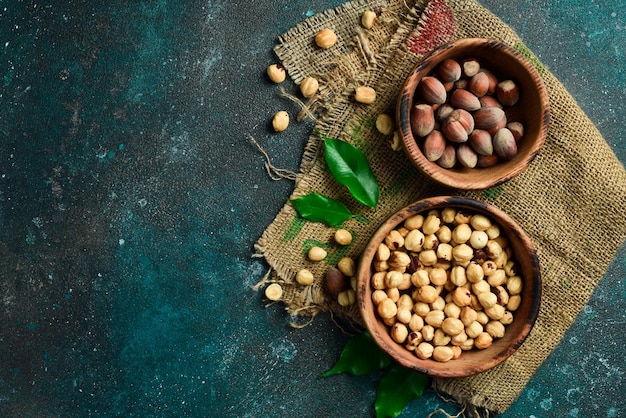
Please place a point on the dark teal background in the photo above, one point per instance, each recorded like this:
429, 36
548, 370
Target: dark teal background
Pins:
130, 200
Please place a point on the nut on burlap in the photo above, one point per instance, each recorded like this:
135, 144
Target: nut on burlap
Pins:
571, 200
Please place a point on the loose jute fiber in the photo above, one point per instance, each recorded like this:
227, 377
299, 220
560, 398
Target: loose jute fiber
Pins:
571, 200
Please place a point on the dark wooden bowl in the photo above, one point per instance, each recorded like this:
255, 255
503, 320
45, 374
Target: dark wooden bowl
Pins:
532, 109
472, 361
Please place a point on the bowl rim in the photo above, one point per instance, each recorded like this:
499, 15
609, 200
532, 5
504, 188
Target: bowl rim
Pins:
431, 367
460, 178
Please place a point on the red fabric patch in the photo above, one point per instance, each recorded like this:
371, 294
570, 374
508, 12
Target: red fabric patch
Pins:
435, 28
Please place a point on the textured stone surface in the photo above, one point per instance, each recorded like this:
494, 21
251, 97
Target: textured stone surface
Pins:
130, 199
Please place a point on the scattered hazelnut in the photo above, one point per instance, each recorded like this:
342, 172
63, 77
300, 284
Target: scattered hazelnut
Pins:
304, 277
325, 38
276, 73
309, 87
317, 254
385, 124
343, 237
346, 297
280, 122
365, 95
273, 292
368, 19
347, 266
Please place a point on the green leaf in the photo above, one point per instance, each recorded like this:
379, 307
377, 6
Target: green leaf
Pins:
349, 166
360, 356
319, 208
396, 389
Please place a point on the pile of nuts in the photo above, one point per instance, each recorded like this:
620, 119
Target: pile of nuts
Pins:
445, 282
461, 115
309, 87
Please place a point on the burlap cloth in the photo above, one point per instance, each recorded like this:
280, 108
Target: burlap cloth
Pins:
571, 200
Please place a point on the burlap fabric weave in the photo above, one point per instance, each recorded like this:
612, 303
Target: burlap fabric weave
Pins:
571, 200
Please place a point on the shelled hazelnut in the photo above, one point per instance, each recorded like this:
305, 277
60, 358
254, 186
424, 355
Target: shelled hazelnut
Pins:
459, 296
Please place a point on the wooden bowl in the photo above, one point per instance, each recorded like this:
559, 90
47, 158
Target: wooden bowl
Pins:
475, 360
532, 110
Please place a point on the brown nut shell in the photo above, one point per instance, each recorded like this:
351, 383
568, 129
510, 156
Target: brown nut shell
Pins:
464, 99
488, 117
434, 145
481, 142
433, 90
504, 145
422, 119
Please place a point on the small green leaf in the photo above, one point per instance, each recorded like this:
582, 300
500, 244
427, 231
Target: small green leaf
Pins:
396, 389
349, 166
319, 208
360, 356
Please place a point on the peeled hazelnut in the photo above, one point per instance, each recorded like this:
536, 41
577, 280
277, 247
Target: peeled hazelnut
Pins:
343, 237
461, 296
424, 350
483, 340
394, 240
479, 84
507, 92
309, 87
488, 117
347, 297
393, 279
495, 329
470, 67
385, 124
434, 145
422, 120
399, 332
365, 95
304, 277
458, 126
466, 156
335, 281
317, 254
325, 38
368, 19
481, 142
452, 326
464, 99
449, 70
504, 145
276, 73
347, 266
396, 141
387, 309
433, 90
273, 292
487, 299
414, 240
280, 121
